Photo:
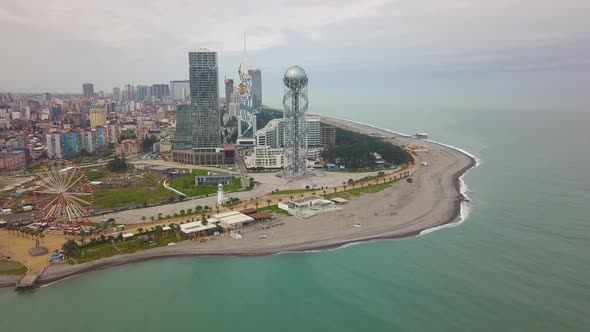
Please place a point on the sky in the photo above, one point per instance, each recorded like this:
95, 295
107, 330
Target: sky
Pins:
386, 53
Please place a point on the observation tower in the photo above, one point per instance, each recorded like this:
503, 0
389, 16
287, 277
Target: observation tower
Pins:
295, 104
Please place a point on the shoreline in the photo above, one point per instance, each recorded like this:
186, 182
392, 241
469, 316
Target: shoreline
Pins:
55, 274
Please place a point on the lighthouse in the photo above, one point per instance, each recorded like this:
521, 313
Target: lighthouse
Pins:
220, 194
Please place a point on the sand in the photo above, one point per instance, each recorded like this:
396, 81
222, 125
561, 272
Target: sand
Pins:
404, 210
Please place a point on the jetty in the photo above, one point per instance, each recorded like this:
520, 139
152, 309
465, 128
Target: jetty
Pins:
29, 280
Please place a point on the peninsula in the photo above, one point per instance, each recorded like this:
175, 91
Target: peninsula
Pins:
401, 209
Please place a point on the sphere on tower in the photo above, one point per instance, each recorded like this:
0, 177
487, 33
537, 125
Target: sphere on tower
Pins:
220, 187
295, 78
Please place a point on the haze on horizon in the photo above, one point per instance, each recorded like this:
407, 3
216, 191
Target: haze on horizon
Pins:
459, 53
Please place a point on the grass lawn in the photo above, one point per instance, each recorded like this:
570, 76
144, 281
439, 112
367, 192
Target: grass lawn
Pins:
357, 192
84, 255
147, 190
11, 268
295, 191
101, 172
186, 184
274, 209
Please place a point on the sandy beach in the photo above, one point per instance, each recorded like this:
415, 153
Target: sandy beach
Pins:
403, 210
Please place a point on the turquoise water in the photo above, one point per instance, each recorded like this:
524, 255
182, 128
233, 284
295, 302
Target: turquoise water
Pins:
521, 262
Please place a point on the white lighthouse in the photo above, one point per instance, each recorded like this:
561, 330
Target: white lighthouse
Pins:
220, 194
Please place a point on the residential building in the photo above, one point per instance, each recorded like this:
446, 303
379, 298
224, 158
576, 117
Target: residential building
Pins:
143, 92
12, 161
327, 136
273, 134
116, 94
203, 75
98, 115
88, 89
71, 141
180, 90
160, 91
128, 147
256, 76
229, 89
54, 145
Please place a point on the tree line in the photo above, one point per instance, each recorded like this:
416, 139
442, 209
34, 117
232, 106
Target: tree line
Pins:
354, 150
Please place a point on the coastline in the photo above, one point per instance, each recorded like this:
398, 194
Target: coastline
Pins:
454, 216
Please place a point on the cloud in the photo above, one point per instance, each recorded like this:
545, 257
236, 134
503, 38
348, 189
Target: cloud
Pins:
56, 45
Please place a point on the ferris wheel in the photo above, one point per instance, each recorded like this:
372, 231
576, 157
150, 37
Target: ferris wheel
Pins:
63, 192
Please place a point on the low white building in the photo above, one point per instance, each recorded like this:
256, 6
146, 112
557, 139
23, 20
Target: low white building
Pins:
197, 226
233, 219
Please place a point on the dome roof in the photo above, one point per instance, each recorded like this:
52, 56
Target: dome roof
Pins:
295, 77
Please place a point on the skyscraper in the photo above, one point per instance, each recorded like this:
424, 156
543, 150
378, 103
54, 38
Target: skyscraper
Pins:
143, 92
256, 76
180, 90
88, 89
160, 91
203, 76
229, 89
183, 135
129, 92
116, 94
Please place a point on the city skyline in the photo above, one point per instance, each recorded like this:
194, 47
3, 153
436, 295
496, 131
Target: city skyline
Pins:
446, 54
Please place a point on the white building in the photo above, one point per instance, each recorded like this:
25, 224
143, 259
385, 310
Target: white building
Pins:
264, 156
180, 90
272, 135
233, 219
54, 145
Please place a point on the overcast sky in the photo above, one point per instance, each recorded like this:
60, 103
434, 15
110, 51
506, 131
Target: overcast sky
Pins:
459, 53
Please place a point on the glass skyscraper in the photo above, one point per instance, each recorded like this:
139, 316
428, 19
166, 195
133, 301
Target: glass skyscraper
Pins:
204, 86
183, 135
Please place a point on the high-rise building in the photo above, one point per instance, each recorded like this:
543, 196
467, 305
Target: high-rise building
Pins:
143, 92
54, 145
183, 135
160, 91
256, 77
98, 115
180, 90
327, 136
129, 93
117, 94
295, 103
273, 135
234, 104
229, 89
203, 74
88, 89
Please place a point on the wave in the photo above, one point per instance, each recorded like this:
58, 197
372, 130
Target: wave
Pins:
465, 207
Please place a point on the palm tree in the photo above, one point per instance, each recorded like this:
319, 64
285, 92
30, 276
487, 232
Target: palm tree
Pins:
335, 189
152, 218
268, 202
280, 200
143, 218
217, 208
159, 215
291, 197
256, 205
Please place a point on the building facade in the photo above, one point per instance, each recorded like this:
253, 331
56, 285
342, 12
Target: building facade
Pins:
161, 91
273, 134
256, 76
98, 115
203, 74
88, 90
12, 161
144, 92
327, 136
183, 134
180, 90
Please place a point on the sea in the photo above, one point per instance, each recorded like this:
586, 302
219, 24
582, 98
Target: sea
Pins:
519, 260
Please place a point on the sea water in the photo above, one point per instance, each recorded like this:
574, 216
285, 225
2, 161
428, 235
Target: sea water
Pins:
518, 262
